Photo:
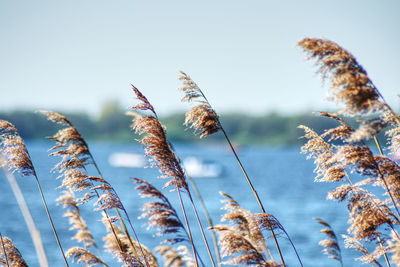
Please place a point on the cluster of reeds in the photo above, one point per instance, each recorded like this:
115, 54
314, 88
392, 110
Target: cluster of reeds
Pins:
346, 155
252, 238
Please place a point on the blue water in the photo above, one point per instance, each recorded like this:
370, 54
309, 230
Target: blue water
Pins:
282, 177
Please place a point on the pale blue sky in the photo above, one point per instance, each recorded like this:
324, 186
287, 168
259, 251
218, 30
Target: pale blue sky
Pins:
76, 55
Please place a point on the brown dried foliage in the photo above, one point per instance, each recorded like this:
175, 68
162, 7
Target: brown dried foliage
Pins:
367, 213
349, 81
342, 132
394, 248
67, 200
122, 248
73, 151
201, 117
359, 158
366, 257
389, 171
330, 245
14, 257
239, 249
328, 168
160, 213
157, 146
81, 255
14, 152
244, 222
176, 258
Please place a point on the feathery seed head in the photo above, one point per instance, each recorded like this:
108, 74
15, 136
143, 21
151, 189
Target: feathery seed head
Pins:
13, 150
14, 257
331, 244
239, 249
81, 255
160, 214
350, 83
201, 117
157, 146
67, 200
328, 169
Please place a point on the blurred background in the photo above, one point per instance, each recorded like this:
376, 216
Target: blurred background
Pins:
81, 57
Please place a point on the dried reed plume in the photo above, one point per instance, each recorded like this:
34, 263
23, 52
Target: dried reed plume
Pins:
9, 254
201, 117
394, 248
393, 140
16, 158
367, 130
342, 132
367, 257
15, 154
157, 147
67, 200
349, 81
162, 156
206, 121
120, 246
239, 249
160, 213
328, 169
330, 245
81, 255
176, 258
389, 170
75, 155
243, 222
367, 213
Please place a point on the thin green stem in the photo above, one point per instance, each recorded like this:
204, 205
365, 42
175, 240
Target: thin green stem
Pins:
201, 229
187, 225
121, 220
252, 187
380, 175
255, 194
51, 221
208, 219
384, 254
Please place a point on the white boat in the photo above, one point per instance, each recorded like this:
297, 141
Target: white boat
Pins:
197, 168
127, 160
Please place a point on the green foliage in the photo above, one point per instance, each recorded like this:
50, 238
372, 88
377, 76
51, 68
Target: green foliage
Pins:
113, 125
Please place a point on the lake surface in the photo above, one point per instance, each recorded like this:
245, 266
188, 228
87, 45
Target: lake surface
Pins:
282, 177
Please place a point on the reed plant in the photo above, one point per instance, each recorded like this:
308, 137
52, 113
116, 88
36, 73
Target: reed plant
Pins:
344, 156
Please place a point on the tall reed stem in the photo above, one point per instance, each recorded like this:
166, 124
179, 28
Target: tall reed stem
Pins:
4, 250
253, 189
208, 219
383, 179
120, 217
201, 229
384, 254
51, 221
187, 226
256, 195
33, 230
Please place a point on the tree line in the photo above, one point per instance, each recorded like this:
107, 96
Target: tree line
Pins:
113, 125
